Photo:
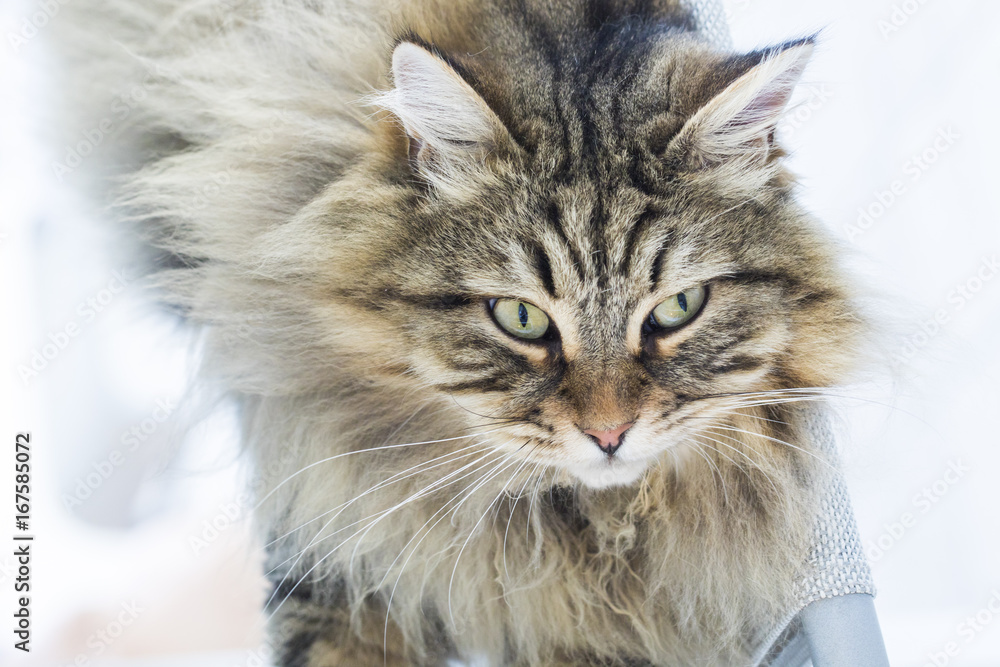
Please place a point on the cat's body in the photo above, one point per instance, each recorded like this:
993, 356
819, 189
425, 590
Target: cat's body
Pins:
429, 487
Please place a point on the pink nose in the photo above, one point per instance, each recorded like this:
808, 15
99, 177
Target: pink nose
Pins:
609, 441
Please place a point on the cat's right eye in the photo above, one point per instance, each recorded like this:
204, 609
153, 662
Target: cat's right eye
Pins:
520, 318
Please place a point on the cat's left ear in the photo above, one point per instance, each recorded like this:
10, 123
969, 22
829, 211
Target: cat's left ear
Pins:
739, 122
450, 127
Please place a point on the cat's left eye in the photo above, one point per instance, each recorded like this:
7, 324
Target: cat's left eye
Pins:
678, 309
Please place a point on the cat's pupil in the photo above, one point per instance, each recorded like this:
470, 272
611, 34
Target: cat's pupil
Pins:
682, 301
522, 314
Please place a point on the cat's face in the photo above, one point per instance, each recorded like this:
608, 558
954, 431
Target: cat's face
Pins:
595, 319
565, 326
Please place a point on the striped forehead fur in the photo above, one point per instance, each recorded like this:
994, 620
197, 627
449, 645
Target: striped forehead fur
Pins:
339, 234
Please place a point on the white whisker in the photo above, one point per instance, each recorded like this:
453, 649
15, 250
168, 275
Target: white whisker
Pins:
374, 519
744, 455
725, 492
780, 442
362, 451
423, 534
394, 479
517, 499
451, 458
472, 532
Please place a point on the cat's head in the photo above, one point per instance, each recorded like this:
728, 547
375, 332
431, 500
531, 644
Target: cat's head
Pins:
581, 256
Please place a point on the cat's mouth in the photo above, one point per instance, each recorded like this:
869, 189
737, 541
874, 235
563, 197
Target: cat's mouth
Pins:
610, 471
601, 458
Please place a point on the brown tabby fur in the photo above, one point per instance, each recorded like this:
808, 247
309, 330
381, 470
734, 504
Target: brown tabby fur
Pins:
342, 282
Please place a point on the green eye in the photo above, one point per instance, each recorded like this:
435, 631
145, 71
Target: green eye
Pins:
678, 309
520, 318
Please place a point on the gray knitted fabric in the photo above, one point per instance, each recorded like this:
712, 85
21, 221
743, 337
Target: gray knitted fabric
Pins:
839, 565
836, 563
710, 19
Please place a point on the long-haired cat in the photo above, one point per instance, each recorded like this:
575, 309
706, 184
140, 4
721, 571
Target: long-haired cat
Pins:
519, 309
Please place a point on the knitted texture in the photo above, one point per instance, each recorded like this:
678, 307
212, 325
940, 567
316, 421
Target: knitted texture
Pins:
710, 18
836, 564
837, 560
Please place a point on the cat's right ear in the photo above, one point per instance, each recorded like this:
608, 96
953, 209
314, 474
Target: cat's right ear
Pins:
450, 127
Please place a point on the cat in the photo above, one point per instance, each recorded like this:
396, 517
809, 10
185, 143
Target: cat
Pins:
517, 304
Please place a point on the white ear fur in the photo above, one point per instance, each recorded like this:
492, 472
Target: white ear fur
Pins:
738, 122
445, 118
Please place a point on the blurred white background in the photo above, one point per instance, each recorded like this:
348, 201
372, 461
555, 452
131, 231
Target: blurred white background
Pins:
143, 556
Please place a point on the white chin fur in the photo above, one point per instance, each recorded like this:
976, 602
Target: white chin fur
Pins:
607, 473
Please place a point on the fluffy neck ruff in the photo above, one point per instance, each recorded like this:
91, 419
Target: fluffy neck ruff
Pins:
478, 552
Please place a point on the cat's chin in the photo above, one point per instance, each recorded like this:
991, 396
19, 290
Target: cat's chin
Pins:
609, 473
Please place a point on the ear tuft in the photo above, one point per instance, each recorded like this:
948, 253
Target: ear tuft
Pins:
449, 125
739, 122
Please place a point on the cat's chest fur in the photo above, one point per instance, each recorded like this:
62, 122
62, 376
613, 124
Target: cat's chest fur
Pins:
556, 572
